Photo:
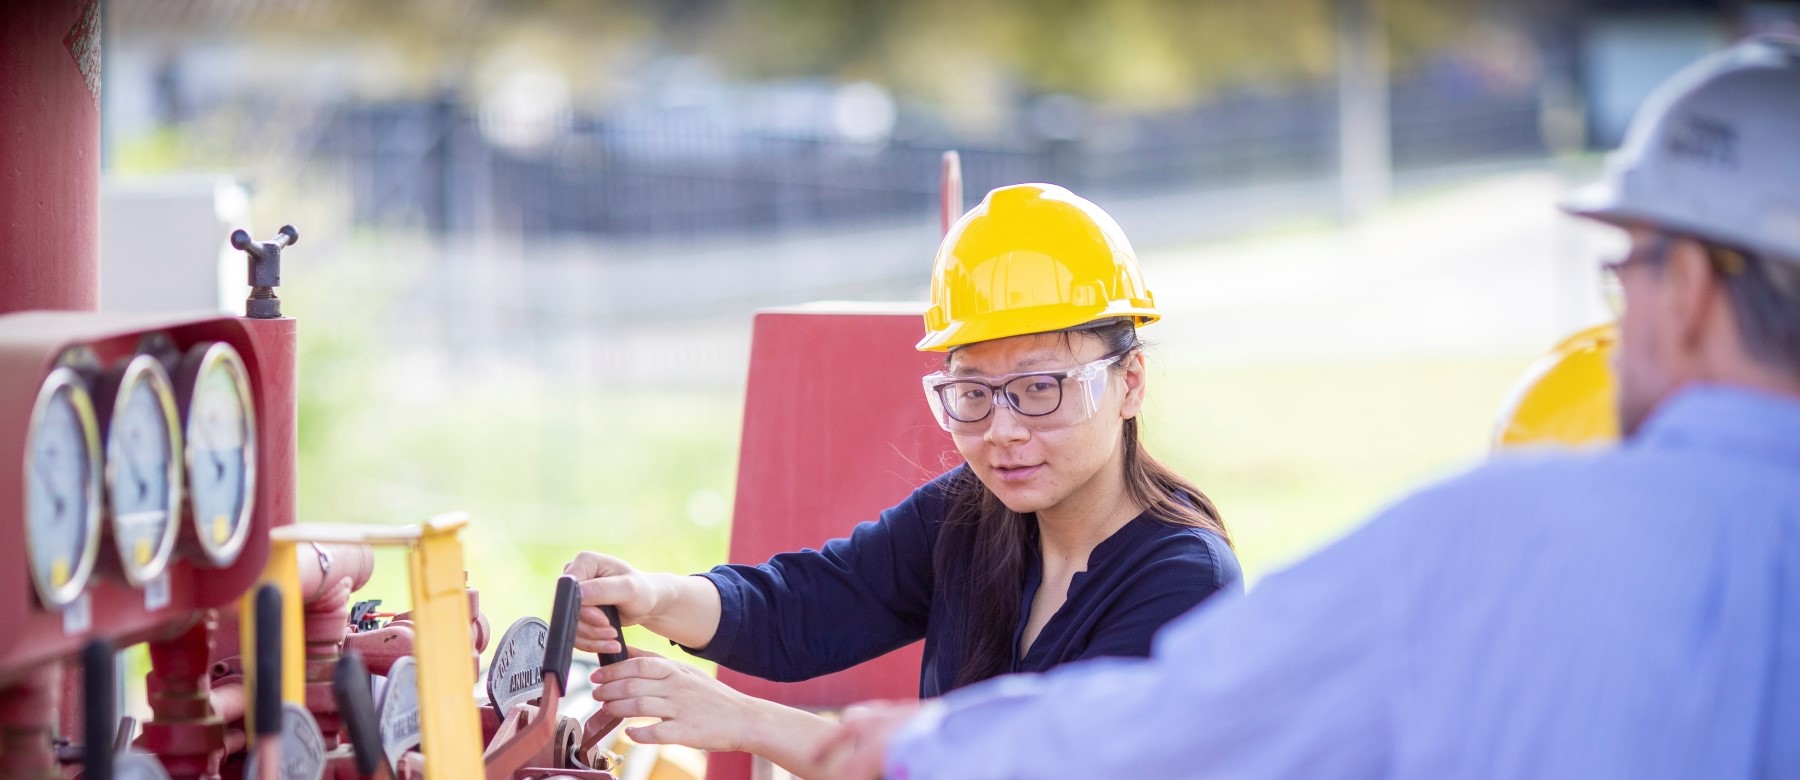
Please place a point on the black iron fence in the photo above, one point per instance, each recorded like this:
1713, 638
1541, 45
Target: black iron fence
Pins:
430, 165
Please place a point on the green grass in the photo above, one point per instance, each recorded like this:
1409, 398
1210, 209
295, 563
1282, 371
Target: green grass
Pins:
645, 478
1296, 455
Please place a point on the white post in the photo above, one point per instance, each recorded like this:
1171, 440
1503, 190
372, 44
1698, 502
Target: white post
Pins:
1364, 164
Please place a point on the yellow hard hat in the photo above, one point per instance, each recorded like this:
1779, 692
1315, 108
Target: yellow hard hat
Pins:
1031, 258
1567, 397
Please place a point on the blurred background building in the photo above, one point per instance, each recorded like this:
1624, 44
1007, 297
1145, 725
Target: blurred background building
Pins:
534, 231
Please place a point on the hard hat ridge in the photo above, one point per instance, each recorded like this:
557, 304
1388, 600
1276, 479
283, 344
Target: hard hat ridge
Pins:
1715, 153
1032, 258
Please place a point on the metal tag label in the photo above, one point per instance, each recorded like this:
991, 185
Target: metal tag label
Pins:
517, 674
78, 616
398, 712
302, 746
132, 765
157, 593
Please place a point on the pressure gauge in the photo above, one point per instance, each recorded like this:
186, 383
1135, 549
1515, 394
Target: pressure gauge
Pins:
219, 426
62, 488
143, 468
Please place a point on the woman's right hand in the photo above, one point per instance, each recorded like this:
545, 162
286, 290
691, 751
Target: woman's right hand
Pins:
608, 580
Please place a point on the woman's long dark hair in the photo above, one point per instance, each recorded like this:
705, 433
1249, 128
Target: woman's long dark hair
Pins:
982, 546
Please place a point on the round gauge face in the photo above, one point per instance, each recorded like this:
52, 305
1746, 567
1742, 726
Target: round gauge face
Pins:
143, 471
221, 451
62, 489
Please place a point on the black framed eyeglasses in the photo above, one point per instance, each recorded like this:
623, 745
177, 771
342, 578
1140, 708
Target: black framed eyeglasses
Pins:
1723, 260
1042, 399
1612, 286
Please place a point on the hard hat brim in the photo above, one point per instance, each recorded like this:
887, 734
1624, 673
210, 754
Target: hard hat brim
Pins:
1599, 200
961, 334
1602, 201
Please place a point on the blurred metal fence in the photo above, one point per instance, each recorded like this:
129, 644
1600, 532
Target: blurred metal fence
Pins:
430, 165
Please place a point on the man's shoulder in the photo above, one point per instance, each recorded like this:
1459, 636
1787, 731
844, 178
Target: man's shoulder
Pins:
1524, 474
1518, 488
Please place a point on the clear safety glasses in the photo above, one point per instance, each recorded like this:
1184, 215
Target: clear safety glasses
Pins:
1043, 400
1725, 261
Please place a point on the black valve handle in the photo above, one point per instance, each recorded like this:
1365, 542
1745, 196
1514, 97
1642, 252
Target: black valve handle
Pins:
265, 270
612, 616
559, 646
356, 704
98, 716
267, 689
242, 242
127, 727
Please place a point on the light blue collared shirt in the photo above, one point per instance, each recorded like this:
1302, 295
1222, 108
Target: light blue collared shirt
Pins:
1630, 613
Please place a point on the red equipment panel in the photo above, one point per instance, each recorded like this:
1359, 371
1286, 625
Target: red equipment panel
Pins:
30, 344
836, 429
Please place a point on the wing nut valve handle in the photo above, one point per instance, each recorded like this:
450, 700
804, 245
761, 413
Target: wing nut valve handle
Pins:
265, 270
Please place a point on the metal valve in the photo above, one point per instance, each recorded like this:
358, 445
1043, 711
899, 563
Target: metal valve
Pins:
265, 270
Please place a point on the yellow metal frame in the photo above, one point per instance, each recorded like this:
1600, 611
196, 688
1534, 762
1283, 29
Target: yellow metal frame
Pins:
449, 724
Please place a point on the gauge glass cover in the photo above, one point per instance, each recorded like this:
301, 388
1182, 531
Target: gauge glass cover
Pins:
143, 470
62, 493
221, 451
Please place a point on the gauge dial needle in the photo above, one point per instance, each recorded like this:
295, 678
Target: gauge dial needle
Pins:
127, 469
56, 498
202, 443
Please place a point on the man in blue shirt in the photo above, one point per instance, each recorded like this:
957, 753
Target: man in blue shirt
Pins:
1633, 612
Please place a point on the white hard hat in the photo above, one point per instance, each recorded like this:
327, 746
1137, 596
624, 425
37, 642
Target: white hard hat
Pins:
1714, 153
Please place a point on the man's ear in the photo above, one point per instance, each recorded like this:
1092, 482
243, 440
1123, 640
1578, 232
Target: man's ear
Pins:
1693, 291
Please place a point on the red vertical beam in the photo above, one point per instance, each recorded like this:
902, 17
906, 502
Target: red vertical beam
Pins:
836, 429
950, 191
49, 155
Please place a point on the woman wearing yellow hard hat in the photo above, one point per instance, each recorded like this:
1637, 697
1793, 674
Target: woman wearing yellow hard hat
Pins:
1059, 540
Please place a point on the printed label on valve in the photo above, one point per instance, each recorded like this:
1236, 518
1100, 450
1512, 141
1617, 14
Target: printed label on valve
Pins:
302, 747
133, 765
398, 712
517, 674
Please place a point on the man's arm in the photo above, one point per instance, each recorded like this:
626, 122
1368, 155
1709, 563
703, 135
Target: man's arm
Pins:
1287, 681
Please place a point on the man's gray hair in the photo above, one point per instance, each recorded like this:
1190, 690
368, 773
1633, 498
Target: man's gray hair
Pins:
1765, 296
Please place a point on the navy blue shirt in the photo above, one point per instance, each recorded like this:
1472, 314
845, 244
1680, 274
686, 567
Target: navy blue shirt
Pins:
814, 612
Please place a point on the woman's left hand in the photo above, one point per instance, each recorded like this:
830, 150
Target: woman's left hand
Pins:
696, 710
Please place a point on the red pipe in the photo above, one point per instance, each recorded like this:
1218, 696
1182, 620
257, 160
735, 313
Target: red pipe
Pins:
184, 731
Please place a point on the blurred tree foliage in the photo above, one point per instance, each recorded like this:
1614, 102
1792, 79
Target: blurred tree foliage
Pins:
1143, 53
1146, 52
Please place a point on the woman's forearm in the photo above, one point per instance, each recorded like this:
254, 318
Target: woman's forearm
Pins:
788, 737
686, 609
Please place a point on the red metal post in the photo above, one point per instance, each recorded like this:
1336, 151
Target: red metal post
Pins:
50, 155
950, 191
